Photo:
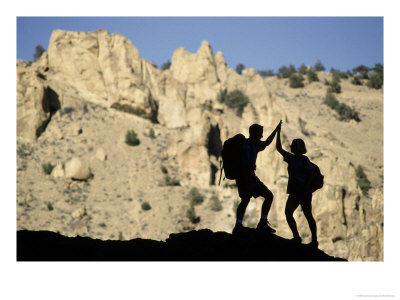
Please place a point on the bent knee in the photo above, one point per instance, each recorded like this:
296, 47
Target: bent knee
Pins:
267, 195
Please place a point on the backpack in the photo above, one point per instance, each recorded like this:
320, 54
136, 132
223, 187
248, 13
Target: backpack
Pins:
230, 155
318, 180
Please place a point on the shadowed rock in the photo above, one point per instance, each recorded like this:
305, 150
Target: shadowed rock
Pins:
201, 245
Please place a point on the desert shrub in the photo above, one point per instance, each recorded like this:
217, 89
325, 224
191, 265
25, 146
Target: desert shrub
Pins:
166, 66
39, 50
240, 68
47, 168
50, 206
285, 72
195, 197
319, 66
131, 138
171, 181
302, 69
334, 86
375, 80
356, 80
152, 134
361, 69
215, 203
362, 180
345, 112
191, 215
312, 76
236, 100
146, 206
296, 81
266, 73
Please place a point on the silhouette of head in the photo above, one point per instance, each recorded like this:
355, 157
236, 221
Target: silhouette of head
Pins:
298, 147
256, 132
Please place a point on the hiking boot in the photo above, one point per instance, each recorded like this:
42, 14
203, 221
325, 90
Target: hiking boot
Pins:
263, 226
296, 240
314, 244
238, 229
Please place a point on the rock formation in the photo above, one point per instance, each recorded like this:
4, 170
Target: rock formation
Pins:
89, 88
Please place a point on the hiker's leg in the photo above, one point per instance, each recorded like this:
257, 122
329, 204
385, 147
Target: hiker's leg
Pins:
291, 206
307, 210
266, 206
241, 209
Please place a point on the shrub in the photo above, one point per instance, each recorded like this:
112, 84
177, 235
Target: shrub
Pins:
334, 87
152, 134
47, 168
312, 76
319, 67
39, 50
285, 72
50, 206
375, 80
356, 80
171, 181
191, 215
131, 138
362, 180
195, 197
266, 73
166, 66
146, 206
215, 203
345, 112
302, 69
296, 81
235, 100
240, 68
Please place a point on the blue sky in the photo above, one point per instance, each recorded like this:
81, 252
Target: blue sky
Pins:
257, 42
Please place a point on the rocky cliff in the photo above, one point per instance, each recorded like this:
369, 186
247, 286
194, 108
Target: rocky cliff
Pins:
77, 102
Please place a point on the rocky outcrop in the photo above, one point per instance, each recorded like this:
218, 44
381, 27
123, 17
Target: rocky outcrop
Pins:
202, 245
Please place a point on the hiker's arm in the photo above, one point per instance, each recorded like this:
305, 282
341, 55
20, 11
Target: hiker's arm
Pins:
272, 135
279, 145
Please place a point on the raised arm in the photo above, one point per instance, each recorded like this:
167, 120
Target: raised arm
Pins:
272, 135
279, 143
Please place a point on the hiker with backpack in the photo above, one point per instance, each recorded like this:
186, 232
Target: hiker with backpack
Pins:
304, 178
239, 157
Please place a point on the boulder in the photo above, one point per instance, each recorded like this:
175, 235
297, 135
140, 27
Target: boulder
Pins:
77, 169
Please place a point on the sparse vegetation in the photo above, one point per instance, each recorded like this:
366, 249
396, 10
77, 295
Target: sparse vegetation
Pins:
191, 215
266, 73
236, 100
296, 81
285, 72
39, 50
356, 80
131, 138
319, 66
152, 134
312, 75
166, 65
48, 168
240, 68
195, 197
146, 206
345, 112
216, 204
362, 180
50, 206
171, 181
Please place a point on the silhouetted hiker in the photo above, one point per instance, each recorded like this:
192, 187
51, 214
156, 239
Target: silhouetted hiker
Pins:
299, 185
249, 185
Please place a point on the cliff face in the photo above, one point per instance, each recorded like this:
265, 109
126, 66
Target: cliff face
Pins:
90, 88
